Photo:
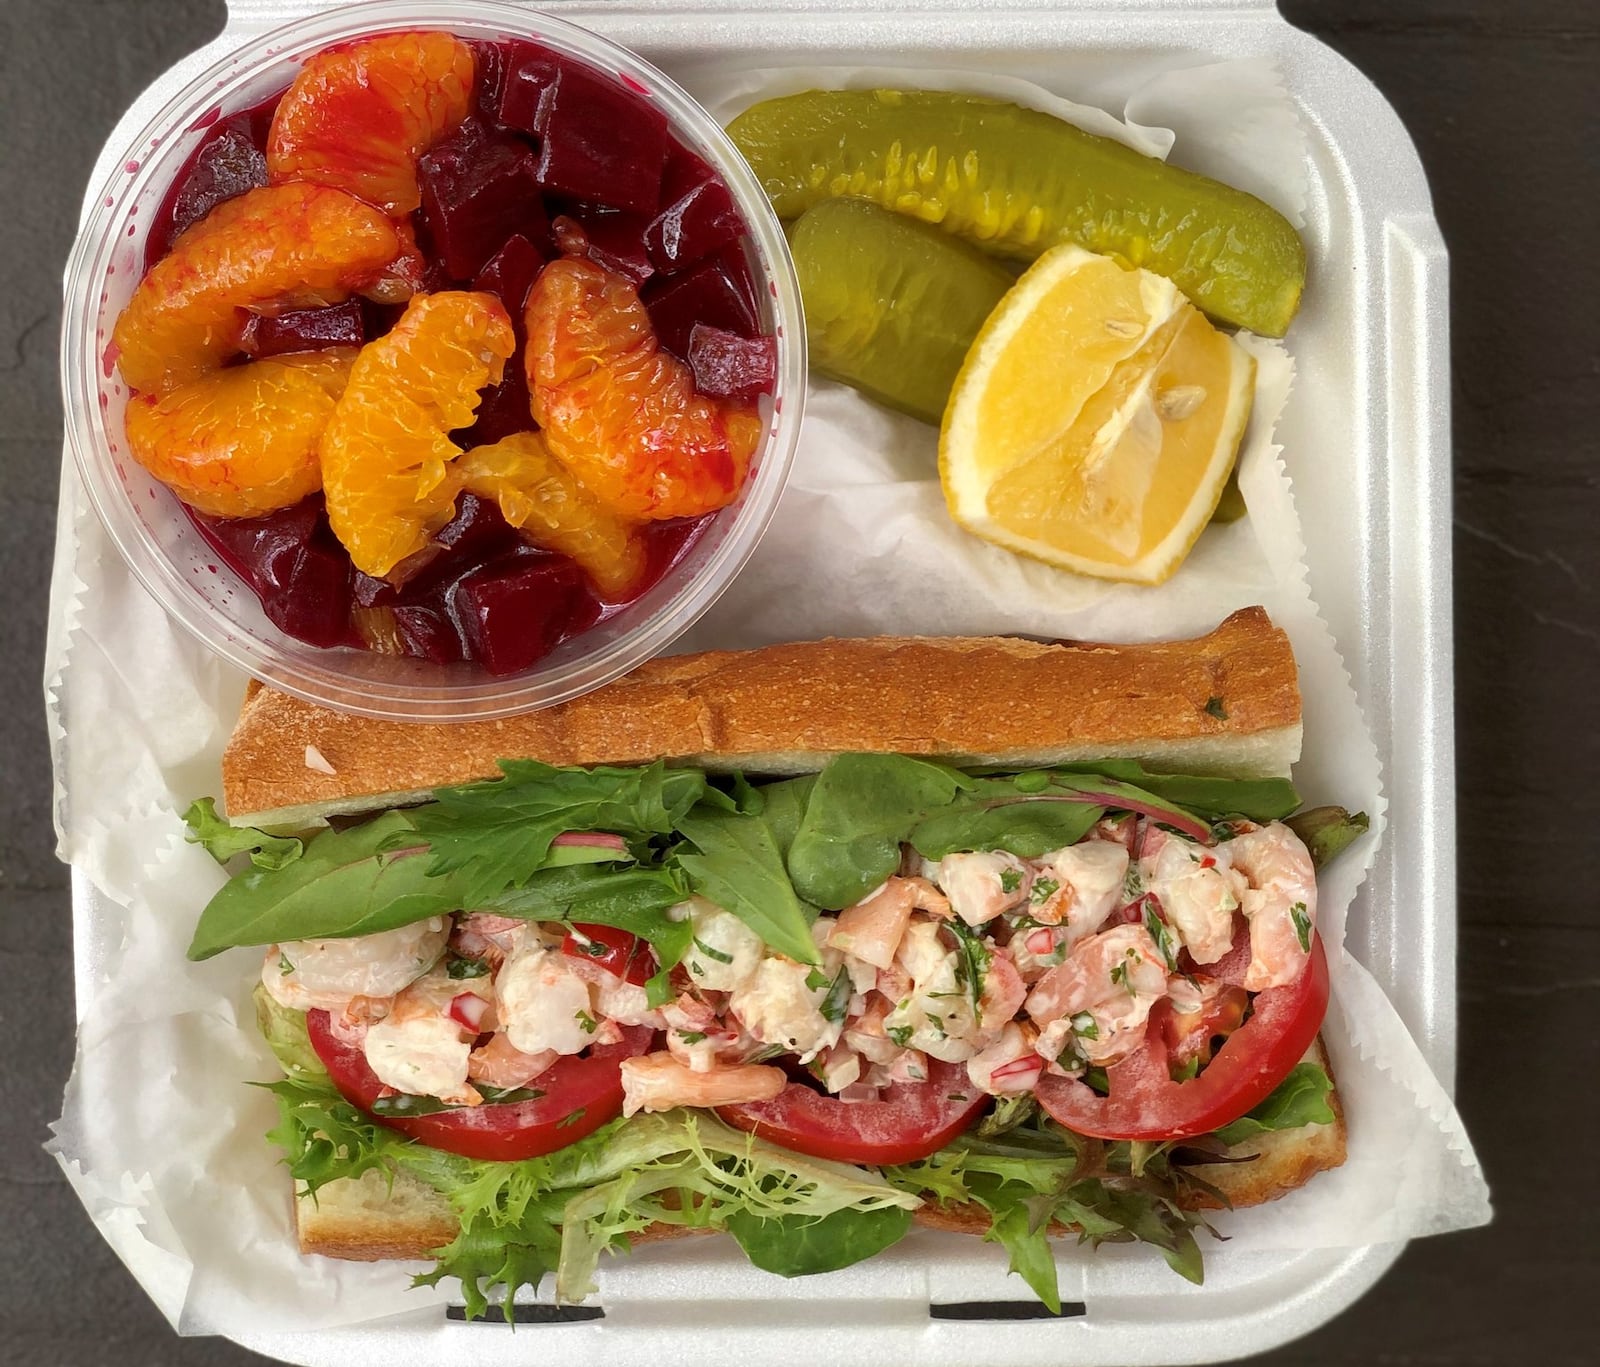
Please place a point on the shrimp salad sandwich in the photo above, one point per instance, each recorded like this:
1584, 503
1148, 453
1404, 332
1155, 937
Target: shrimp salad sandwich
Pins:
804, 945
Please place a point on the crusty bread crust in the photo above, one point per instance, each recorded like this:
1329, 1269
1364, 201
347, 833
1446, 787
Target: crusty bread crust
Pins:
352, 1219
1228, 703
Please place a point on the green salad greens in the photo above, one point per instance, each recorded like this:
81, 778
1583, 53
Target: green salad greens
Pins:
774, 855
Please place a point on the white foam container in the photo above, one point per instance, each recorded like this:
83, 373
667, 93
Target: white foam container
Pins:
1373, 383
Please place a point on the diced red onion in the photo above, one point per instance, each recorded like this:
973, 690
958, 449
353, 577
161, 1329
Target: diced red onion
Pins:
468, 1009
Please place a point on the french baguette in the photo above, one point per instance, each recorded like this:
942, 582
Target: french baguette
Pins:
1225, 703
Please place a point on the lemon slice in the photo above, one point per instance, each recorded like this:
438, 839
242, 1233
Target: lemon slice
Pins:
1095, 420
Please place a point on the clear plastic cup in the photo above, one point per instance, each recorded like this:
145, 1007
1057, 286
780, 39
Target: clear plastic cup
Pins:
175, 564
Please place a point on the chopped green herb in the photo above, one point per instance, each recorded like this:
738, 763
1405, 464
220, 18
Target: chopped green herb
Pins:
1084, 1027
284, 966
816, 980
691, 1036
460, 966
972, 962
1132, 884
1302, 925
1187, 1071
1216, 709
712, 953
1161, 933
955, 1096
1010, 880
572, 1119
588, 1022
1096, 1080
593, 948
697, 970
837, 1003
900, 1034
1043, 890
1119, 974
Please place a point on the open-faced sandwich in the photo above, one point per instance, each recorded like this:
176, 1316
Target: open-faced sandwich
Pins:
801, 944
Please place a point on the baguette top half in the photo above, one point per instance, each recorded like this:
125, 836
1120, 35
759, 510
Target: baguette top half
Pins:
1225, 703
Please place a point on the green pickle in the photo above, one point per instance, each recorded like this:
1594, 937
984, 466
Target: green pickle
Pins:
1017, 182
892, 305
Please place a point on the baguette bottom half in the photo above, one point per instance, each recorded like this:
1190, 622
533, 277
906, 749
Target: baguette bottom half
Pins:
366, 1219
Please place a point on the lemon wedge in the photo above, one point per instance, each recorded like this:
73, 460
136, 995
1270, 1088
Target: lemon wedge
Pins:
1095, 421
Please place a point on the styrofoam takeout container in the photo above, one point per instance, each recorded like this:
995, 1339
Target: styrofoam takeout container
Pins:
1372, 385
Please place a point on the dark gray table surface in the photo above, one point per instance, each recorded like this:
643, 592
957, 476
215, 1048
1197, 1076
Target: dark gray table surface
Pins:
1501, 101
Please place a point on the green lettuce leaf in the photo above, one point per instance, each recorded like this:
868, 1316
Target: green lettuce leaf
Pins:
223, 841
799, 1246
735, 862
284, 1029
1300, 1099
358, 881
1260, 799
495, 835
636, 900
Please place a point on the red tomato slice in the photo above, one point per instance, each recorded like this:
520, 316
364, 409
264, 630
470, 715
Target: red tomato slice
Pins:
614, 950
910, 1121
580, 1095
1145, 1103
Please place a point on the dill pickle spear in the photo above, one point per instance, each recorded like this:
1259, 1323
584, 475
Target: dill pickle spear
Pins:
1017, 182
892, 305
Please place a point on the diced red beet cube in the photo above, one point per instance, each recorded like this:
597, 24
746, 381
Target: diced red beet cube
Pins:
684, 170
715, 292
426, 632
510, 274
514, 612
616, 240
478, 189
305, 330
228, 165
505, 409
294, 565
476, 534
728, 366
527, 72
695, 219
599, 142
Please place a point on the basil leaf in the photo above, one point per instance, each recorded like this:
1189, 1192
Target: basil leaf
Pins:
862, 807
352, 882
1260, 799
735, 863
1300, 1099
632, 899
1327, 831
497, 834
223, 841
799, 1245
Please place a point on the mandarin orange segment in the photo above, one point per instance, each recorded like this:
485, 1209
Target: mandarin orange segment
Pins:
386, 454
282, 246
539, 496
242, 442
618, 411
357, 118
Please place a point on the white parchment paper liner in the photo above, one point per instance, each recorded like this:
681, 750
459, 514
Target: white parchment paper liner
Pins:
162, 1141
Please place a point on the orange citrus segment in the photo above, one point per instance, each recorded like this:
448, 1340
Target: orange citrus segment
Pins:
540, 497
357, 118
386, 452
280, 246
619, 412
1095, 420
242, 442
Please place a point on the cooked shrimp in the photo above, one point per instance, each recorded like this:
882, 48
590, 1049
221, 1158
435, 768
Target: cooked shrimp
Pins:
545, 1002
499, 1063
1198, 890
1100, 998
1008, 1066
872, 928
310, 974
658, 1082
724, 952
778, 1006
981, 886
422, 1047
1003, 993
1280, 902
936, 1016
618, 411
277, 247
1079, 886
